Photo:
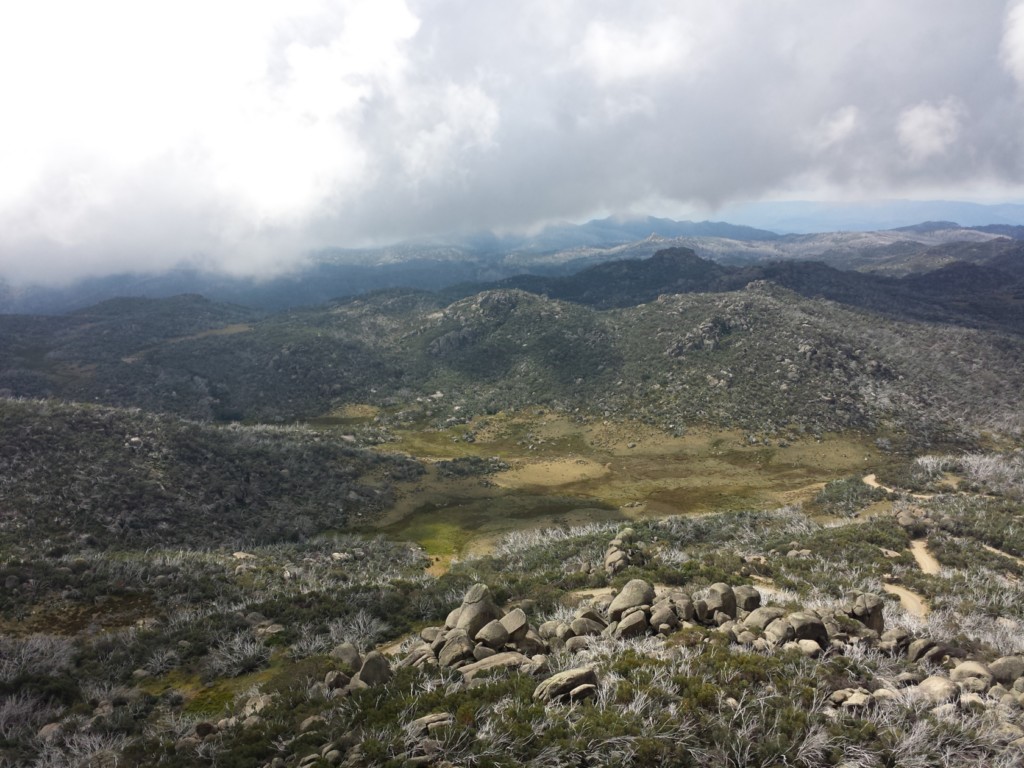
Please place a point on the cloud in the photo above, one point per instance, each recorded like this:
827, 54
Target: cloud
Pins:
242, 135
926, 130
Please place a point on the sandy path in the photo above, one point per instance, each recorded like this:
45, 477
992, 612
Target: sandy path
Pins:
872, 481
1007, 555
912, 602
925, 560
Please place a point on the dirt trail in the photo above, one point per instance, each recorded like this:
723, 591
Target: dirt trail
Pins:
1007, 555
912, 602
925, 559
872, 481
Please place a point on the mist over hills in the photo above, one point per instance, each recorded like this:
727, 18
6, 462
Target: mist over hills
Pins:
556, 250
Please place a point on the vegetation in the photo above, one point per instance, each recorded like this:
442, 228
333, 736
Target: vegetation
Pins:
206, 538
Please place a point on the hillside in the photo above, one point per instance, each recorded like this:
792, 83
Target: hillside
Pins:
79, 475
659, 512
741, 351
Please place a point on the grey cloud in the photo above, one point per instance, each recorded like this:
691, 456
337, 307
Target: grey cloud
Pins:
500, 115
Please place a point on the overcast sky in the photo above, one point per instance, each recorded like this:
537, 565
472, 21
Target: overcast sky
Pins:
139, 134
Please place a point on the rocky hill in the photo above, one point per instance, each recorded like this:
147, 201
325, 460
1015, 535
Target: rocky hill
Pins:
721, 346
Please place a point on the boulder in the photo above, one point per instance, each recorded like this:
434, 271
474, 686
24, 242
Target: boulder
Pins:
615, 560
516, 624
335, 679
809, 648
779, 632
493, 635
721, 598
577, 644
497, 661
424, 725
430, 634
348, 655
807, 626
636, 593
376, 670
918, 648
549, 629
561, 685
867, 607
968, 670
452, 618
747, 598
936, 690
458, 647
478, 609
633, 625
664, 615
531, 644
592, 615
584, 626
482, 652
1007, 669
760, 618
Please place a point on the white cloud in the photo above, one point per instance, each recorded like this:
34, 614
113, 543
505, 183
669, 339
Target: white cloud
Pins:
613, 53
1012, 47
926, 130
835, 128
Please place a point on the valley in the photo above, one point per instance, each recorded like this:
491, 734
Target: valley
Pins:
562, 472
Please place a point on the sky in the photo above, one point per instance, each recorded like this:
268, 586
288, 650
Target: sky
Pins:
242, 136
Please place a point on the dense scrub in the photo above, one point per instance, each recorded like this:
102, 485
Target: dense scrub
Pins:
73, 474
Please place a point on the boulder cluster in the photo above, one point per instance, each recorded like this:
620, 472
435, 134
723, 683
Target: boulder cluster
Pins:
479, 635
622, 552
638, 609
971, 686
